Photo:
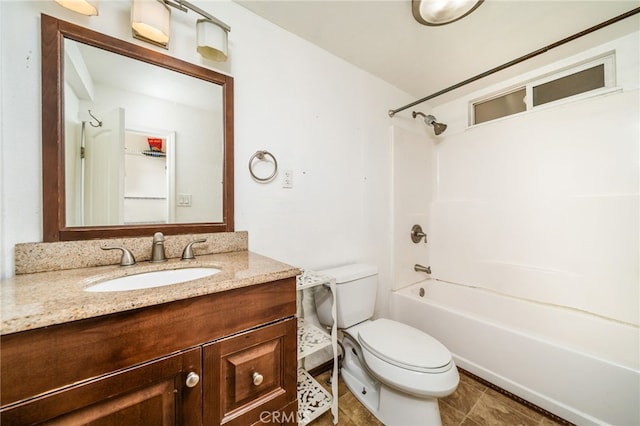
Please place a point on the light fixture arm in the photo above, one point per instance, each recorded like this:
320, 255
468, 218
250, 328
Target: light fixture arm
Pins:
184, 6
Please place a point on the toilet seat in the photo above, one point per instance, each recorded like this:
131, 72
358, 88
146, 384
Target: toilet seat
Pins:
404, 346
397, 355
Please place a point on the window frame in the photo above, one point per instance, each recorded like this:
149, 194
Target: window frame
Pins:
607, 59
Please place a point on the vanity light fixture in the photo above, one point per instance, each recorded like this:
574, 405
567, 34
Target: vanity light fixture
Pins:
212, 40
441, 12
151, 21
85, 7
211, 33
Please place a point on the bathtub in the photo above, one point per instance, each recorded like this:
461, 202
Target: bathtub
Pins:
579, 366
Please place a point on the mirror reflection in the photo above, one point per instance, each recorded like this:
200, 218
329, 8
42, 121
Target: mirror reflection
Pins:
143, 144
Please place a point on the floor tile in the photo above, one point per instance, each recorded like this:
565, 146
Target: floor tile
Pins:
465, 396
355, 411
465, 378
472, 404
514, 405
468, 422
490, 411
326, 420
449, 415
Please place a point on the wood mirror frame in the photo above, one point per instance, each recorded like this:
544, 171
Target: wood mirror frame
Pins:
53, 33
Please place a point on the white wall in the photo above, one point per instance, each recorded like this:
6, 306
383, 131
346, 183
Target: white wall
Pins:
541, 205
322, 118
413, 188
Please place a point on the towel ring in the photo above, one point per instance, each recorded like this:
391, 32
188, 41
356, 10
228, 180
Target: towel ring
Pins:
260, 156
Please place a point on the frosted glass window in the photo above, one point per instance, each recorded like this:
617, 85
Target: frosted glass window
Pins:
501, 106
574, 84
593, 77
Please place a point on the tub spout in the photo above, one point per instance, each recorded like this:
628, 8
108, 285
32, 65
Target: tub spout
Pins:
420, 268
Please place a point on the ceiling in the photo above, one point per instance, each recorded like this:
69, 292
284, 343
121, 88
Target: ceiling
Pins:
383, 38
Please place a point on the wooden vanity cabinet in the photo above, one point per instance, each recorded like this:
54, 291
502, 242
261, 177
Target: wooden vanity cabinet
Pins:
249, 377
153, 393
223, 358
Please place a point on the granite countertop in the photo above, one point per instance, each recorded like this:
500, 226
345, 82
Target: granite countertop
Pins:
47, 298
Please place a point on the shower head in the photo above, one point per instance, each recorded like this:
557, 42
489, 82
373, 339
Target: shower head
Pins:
430, 120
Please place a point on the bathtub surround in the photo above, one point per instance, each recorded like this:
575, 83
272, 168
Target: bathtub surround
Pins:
533, 242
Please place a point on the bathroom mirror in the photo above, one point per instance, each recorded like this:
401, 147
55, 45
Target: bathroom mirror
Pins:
134, 141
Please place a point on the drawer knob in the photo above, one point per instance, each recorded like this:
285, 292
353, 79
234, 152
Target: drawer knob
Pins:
257, 378
192, 379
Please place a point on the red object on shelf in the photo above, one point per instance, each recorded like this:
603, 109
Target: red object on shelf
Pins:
155, 144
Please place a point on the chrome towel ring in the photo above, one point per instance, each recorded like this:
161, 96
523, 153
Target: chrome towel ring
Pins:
260, 156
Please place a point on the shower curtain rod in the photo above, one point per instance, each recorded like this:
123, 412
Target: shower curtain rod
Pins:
540, 51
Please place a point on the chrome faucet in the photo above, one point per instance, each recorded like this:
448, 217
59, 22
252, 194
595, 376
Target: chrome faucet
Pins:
157, 249
420, 268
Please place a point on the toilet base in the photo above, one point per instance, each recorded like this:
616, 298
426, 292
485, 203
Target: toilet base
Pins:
391, 407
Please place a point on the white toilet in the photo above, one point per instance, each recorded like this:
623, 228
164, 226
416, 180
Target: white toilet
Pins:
395, 370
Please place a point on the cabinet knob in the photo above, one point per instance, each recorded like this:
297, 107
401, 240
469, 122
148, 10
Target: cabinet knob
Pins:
257, 378
192, 379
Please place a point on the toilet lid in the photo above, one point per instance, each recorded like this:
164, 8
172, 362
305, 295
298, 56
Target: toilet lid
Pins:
404, 346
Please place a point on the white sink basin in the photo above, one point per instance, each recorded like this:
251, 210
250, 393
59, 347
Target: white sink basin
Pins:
152, 279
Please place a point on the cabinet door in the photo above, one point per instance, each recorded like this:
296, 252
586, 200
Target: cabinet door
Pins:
154, 393
251, 377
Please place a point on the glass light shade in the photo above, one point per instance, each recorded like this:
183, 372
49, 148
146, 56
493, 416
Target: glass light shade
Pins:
212, 40
441, 12
151, 21
85, 7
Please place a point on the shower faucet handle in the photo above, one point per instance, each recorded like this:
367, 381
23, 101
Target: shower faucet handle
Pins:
417, 234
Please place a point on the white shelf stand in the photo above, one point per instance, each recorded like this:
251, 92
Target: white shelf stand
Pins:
313, 399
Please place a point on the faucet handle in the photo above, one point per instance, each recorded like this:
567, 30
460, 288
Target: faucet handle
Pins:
127, 258
417, 234
187, 253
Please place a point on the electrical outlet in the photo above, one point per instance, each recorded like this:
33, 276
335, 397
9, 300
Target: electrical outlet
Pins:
287, 178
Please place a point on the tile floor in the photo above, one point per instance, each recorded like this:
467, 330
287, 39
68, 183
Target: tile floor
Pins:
472, 404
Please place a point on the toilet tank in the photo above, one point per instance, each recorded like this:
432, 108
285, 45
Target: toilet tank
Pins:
356, 287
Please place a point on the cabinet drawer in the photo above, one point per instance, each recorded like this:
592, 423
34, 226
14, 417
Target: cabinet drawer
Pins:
247, 375
151, 393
